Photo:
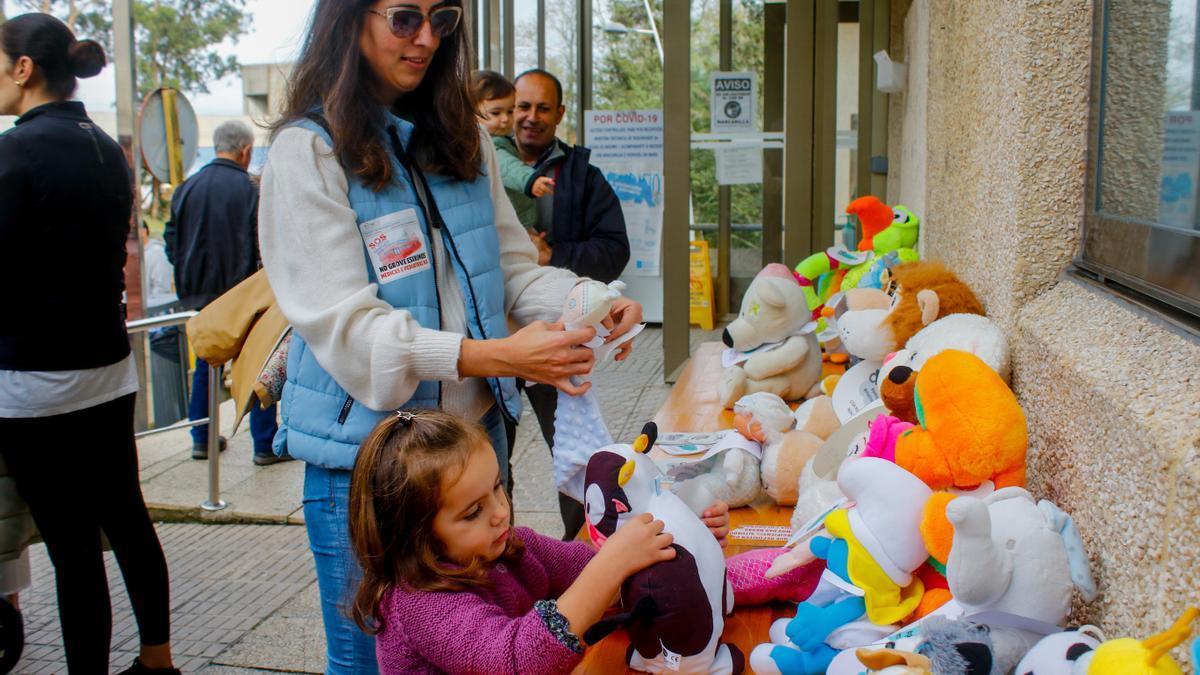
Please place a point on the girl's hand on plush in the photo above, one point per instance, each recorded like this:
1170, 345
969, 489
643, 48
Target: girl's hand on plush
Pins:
542, 186
716, 519
624, 314
638, 544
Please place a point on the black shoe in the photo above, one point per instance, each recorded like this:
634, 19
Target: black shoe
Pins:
267, 459
138, 669
200, 450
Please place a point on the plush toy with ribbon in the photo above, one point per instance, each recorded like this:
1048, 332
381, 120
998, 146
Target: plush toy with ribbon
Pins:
1017, 560
674, 610
871, 550
578, 422
772, 346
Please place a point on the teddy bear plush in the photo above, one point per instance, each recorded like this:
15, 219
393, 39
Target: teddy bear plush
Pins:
771, 344
789, 440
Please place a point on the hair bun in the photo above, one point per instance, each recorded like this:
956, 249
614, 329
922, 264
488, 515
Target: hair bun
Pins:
86, 58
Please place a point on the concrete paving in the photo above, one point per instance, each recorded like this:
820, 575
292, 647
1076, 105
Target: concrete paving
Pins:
225, 580
244, 597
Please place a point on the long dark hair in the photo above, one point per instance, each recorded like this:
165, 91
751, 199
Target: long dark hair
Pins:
332, 74
395, 492
52, 47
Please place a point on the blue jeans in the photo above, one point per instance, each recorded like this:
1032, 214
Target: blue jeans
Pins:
350, 651
263, 424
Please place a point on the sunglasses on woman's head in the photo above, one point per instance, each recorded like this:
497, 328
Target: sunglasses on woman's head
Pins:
406, 22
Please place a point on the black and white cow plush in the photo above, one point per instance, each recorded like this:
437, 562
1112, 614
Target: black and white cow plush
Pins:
674, 610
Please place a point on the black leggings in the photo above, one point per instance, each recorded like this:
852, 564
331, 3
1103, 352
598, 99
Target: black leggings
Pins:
79, 474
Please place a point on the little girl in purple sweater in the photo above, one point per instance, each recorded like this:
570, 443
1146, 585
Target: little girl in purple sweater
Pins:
448, 584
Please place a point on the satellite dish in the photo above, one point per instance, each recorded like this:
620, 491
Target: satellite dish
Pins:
154, 128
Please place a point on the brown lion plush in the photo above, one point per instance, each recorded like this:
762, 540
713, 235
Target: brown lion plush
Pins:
923, 293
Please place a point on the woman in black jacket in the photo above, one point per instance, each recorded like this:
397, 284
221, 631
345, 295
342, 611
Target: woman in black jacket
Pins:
67, 378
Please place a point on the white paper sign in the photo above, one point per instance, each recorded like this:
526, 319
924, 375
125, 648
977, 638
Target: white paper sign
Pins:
1180, 169
739, 166
732, 101
857, 390
396, 245
626, 146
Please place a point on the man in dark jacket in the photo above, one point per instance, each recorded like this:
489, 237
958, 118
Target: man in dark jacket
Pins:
580, 225
212, 240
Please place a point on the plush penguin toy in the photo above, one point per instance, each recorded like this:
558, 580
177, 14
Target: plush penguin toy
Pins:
674, 610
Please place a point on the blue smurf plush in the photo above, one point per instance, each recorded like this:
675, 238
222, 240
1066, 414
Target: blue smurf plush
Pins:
870, 549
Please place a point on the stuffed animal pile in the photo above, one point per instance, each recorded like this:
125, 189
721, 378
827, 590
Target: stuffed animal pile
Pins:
916, 546
932, 556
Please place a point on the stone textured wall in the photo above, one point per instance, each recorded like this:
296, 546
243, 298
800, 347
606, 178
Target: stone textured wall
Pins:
1006, 119
991, 135
1112, 398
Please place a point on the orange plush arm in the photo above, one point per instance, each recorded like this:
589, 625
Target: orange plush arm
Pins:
917, 453
936, 530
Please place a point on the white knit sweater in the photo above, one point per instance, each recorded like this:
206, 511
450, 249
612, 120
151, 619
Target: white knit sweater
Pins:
313, 254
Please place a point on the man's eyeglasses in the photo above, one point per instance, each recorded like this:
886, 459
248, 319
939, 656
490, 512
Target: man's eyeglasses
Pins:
406, 22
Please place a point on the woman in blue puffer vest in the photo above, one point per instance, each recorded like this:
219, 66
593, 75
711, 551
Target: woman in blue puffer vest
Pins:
395, 254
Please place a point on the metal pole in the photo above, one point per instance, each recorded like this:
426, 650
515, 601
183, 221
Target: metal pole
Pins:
585, 66
541, 34
677, 130
866, 98
127, 105
825, 45
654, 27
148, 392
879, 109
724, 236
508, 39
214, 501
174, 142
774, 16
798, 133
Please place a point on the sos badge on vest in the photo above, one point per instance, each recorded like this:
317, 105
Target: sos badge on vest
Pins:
396, 245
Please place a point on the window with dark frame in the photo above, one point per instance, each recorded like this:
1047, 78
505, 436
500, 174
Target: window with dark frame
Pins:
1141, 228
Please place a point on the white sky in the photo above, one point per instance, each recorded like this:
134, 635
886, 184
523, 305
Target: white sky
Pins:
276, 30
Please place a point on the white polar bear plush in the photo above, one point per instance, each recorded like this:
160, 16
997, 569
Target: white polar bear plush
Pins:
772, 345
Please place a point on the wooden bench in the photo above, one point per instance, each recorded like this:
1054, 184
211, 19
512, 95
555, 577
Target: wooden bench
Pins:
692, 406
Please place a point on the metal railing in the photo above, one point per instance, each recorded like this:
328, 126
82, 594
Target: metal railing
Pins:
142, 328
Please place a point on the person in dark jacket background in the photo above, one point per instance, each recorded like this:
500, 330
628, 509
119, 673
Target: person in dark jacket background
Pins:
212, 240
579, 227
68, 381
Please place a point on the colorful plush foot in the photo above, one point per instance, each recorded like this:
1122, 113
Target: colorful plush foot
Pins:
771, 659
751, 587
